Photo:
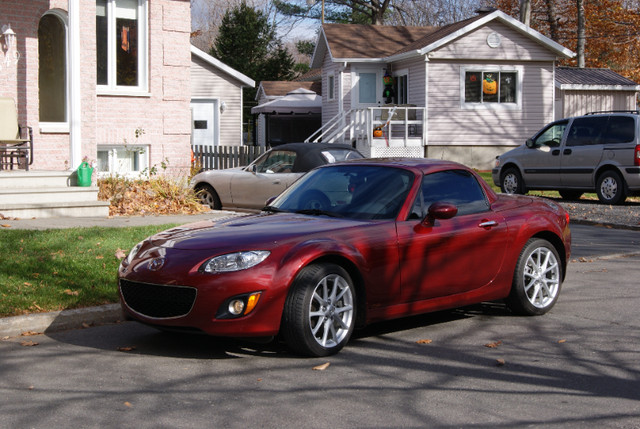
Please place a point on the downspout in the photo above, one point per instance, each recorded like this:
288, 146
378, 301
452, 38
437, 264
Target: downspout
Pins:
75, 119
425, 119
341, 96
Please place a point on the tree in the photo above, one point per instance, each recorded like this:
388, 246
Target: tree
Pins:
247, 42
342, 11
609, 36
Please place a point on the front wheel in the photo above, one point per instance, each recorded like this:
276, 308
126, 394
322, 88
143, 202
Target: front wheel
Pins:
511, 182
320, 312
537, 279
611, 188
208, 196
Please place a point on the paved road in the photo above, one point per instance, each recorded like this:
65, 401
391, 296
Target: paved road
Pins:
575, 367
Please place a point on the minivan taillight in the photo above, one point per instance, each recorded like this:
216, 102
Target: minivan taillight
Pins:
636, 156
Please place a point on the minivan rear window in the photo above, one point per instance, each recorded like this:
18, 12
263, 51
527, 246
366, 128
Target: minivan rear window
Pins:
621, 129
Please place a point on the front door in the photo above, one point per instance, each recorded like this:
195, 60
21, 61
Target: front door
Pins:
205, 129
367, 89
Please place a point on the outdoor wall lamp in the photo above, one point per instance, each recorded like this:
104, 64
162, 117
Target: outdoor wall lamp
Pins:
11, 54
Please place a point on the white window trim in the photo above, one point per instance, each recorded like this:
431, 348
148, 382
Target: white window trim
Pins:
113, 149
61, 127
142, 89
518, 70
331, 89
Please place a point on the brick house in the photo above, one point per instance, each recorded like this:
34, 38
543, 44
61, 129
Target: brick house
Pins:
104, 79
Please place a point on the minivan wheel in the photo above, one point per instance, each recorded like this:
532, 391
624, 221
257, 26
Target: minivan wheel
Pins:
511, 182
570, 195
611, 188
208, 196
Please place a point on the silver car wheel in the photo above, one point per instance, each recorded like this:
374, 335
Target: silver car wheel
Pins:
609, 188
541, 277
331, 311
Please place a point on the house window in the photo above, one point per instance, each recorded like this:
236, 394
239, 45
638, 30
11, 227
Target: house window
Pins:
331, 86
123, 160
400, 87
52, 68
121, 45
491, 87
367, 88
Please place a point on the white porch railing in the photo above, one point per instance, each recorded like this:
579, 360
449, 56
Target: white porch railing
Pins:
400, 126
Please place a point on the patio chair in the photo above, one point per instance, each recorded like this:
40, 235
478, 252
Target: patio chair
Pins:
16, 142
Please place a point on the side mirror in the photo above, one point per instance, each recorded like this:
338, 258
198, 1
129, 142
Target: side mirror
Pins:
440, 210
530, 144
254, 168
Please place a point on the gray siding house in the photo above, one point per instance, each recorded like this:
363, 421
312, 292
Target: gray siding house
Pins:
216, 101
466, 91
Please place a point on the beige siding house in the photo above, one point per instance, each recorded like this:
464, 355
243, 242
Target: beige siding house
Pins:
579, 91
216, 101
466, 91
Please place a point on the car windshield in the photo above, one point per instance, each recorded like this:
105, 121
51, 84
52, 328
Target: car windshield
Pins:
335, 155
350, 191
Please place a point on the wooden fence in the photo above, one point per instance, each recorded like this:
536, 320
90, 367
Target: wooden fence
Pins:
220, 157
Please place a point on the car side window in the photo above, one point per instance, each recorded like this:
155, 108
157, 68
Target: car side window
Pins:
277, 161
457, 187
620, 129
551, 136
587, 130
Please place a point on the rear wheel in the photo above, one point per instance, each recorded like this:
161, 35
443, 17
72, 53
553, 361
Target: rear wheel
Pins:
320, 312
511, 182
611, 188
208, 196
537, 279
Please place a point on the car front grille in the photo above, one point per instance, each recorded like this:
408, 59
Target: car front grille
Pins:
158, 301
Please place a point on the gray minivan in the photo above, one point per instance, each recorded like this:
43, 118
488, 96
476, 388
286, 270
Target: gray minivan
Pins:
598, 152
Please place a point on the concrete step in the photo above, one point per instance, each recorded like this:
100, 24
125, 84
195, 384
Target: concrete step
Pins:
52, 210
48, 195
19, 179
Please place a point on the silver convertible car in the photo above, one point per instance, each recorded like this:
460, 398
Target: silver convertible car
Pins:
251, 186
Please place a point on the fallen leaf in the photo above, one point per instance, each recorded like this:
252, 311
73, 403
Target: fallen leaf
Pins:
28, 343
120, 254
99, 257
71, 292
30, 333
500, 362
125, 349
85, 325
424, 341
128, 404
322, 367
493, 345
31, 387
6, 225
562, 341
80, 237
26, 284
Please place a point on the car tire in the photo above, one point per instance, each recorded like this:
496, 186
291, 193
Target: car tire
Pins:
320, 312
315, 200
208, 196
511, 182
570, 195
610, 188
537, 279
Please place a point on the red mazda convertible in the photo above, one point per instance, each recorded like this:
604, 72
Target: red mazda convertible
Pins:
349, 244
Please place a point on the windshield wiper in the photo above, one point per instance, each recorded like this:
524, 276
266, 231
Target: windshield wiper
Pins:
318, 212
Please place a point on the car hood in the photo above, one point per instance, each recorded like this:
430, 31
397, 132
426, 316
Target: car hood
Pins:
248, 232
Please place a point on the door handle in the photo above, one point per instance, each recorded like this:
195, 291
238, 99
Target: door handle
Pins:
276, 182
555, 152
567, 152
487, 223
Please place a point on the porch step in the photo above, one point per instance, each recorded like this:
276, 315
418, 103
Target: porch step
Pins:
47, 194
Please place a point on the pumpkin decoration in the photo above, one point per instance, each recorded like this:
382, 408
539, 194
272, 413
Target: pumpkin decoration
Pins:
489, 85
377, 132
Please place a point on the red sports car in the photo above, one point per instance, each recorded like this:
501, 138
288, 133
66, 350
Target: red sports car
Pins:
349, 244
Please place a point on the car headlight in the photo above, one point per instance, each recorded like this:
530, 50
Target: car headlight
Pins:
497, 162
236, 261
132, 254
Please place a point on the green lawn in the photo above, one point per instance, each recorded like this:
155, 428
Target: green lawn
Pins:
62, 268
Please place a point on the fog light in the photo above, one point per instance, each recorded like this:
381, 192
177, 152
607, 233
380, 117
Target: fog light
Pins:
236, 307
